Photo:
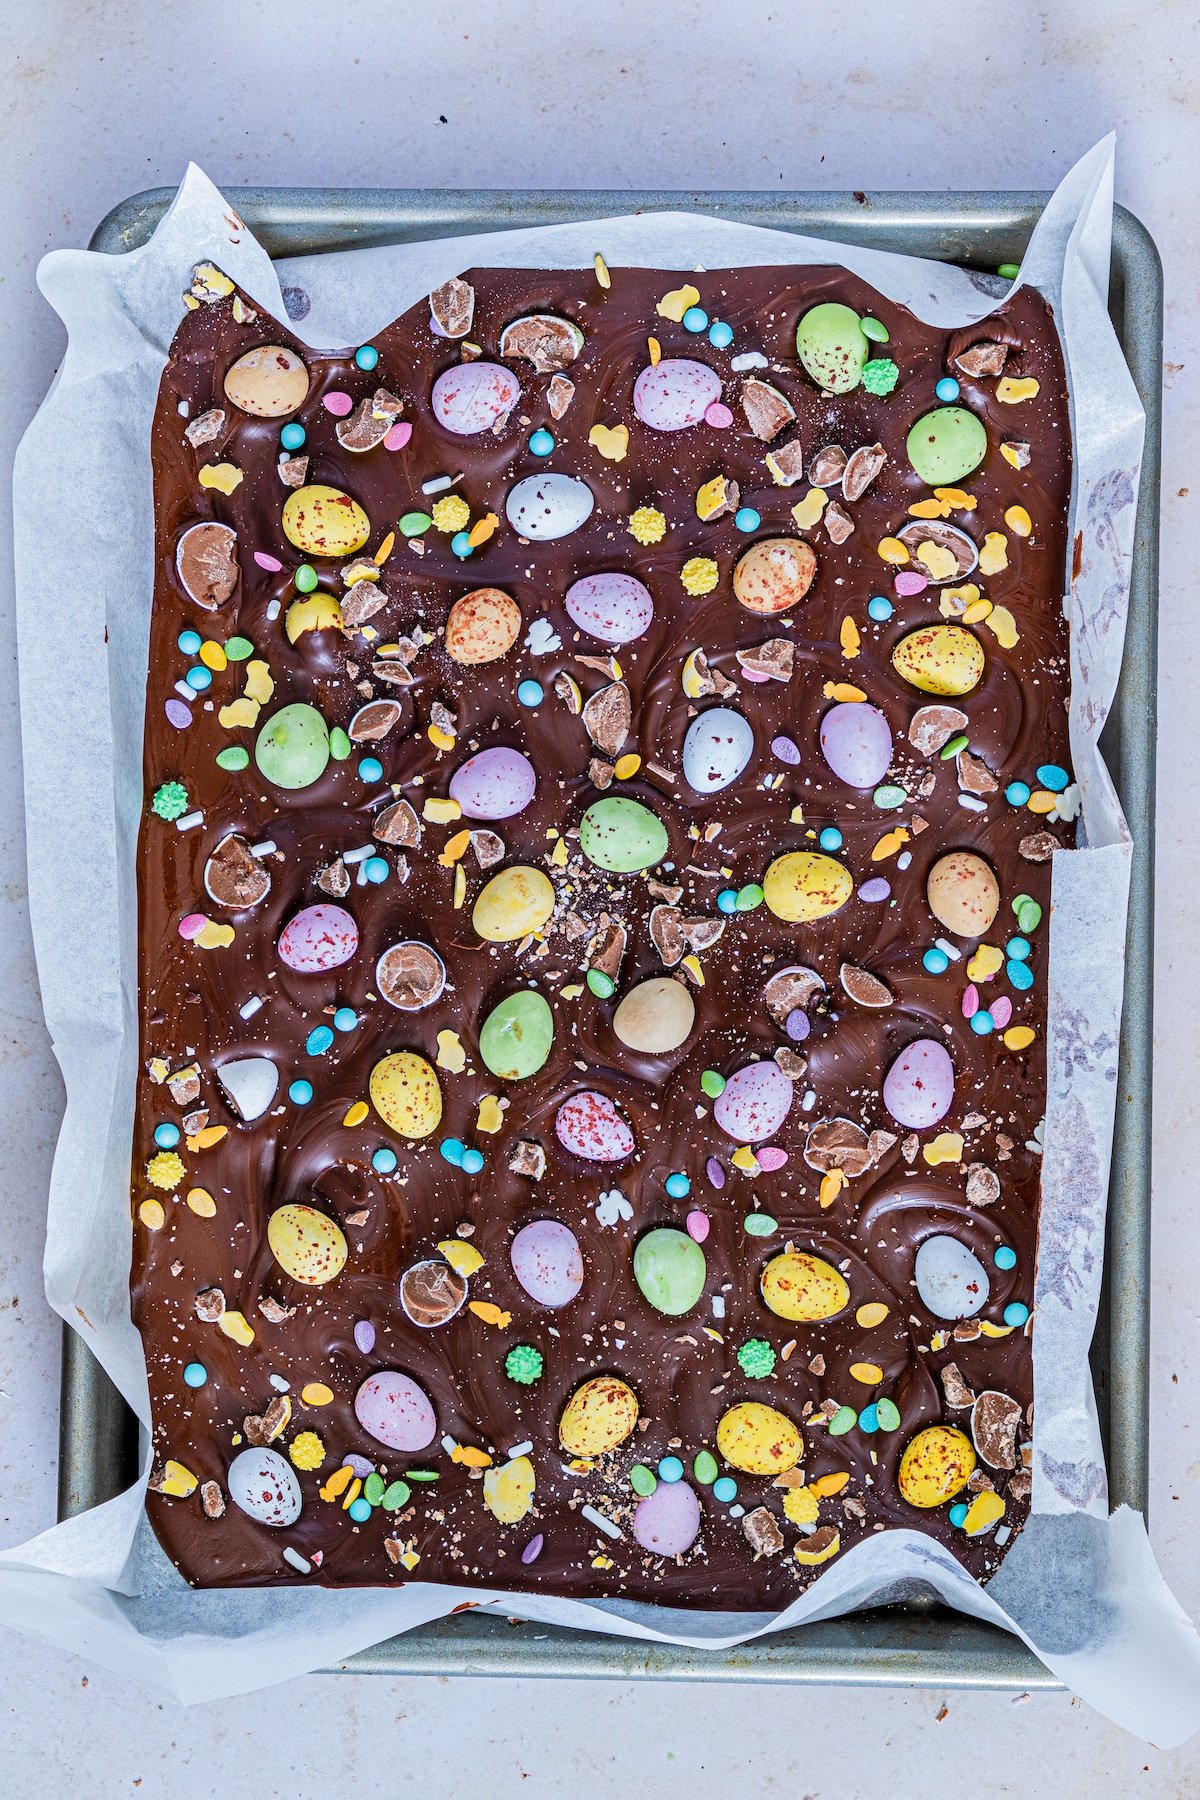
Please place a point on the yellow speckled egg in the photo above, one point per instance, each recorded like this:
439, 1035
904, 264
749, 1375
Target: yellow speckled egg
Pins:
322, 521
514, 902
267, 381
406, 1094
598, 1416
798, 1286
758, 1440
774, 575
803, 885
940, 659
963, 893
508, 1490
306, 1244
482, 626
935, 1466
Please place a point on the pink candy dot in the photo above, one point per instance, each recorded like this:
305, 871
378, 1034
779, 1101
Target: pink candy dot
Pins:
398, 436
909, 582
191, 925
771, 1157
338, 404
970, 1002
718, 416
697, 1225
1001, 1011
271, 563
754, 675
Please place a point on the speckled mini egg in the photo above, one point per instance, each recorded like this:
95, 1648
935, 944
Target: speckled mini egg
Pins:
936, 1465
496, 784
482, 626
918, 1089
323, 521
856, 742
268, 382
832, 346
508, 1489
472, 397
655, 1017
667, 1522
670, 1270
963, 893
321, 937
292, 748
946, 445
548, 1263
796, 1285
393, 1410
512, 904
598, 1416
406, 1094
263, 1486
754, 1102
589, 1125
951, 1280
307, 1244
758, 1440
548, 506
675, 393
774, 575
517, 1035
718, 745
622, 835
614, 607
940, 659
803, 885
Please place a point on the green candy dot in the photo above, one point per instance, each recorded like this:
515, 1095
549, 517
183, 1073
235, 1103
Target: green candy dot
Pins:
238, 649
956, 744
749, 897
642, 1480
374, 1488
602, 985
339, 744
843, 1420
305, 578
234, 757
1010, 271
1029, 913
712, 1083
880, 375
395, 1496
414, 523
889, 796
423, 1475
705, 1468
760, 1224
873, 329
888, 1414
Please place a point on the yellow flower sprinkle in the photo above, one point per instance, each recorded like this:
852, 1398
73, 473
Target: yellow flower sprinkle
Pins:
307, 1451
450, 513
647, 525
699, 575
165, 1170
800, 1506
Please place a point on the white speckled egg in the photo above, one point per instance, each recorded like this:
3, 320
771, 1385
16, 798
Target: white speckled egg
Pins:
951, 1280
547, 1261
675, 393
496, 784
548, 506
319, 938
856, 742
718, 745
611, 606
264, 1487
754, 1102
471, 397
667, 1522
590, 1126
918, 1089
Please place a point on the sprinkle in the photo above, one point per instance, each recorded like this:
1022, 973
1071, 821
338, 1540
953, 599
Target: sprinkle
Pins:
600, 1522
603, 278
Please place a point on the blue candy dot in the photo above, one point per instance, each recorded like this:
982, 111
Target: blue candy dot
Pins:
1017, 793
384, 1161
678, 1185
301, 1092
695, 319
1016, 1313
947, 388
360, 1509
531, 693
292, 436
880, 608
541, 442
376, 869
725, 1489
746, 519
1052, 777
472, 1161
727, 900
319, 1040
830, 838
462, 546
936, 961
670, 1469
868, 1418
982, 1023
195, 1374
370, 769
1005, 1257
453, 1150
1018, 948
199, 678
1020, 975
166, 1136
367, 357
189, 642
345, 1018
720, 335
958, 1514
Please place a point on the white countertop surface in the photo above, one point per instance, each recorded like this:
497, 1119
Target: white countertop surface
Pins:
102, 101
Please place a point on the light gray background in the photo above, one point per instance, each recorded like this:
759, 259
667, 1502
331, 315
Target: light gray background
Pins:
100, 100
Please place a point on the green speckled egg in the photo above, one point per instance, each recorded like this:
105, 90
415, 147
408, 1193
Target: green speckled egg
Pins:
670, 1269
622, 835
293, 747
947, 445
516, 1036
833, 346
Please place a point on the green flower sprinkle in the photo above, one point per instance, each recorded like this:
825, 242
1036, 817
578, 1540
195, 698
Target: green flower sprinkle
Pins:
171, 800
523, 1364
756, 1358
880, 375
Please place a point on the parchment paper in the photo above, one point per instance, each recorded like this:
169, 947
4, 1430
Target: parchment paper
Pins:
1080, 1587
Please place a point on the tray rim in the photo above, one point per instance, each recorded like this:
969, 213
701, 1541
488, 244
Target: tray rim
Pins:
908, 1644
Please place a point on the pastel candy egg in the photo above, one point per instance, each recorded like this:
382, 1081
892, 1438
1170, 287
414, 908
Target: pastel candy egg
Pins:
947, 445
804, 885
306, 1244
832, 346
670, 1270
267, 382
249, 1084
675, 393
856, 742
517, 1035
940, 659
718, 745
918, 1089
548, 506
754, 1102
611, 606
798, 1286
598, 1416
589, 1125
472, 397
622, 835
496, 784
655, 1017
951, 1280
758, 1440
548, 1263
482, 627
292, 749
406, 1094
667, 1522
512, 904
263, 1486
323, 521
508, 1490
963, 893
319, 938
936, 1465
393, 1410
774, 575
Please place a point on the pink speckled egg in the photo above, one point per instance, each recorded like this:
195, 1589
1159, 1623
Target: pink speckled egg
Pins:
590, 1126
856, 742
471, 397
547, 1261
264, 1487
675, 393
496, 784
613, 607
918, 1089
393, 1410
319, 938
667, 1522
754, 1102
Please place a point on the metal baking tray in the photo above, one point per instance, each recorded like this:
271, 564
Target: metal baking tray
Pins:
915, 1641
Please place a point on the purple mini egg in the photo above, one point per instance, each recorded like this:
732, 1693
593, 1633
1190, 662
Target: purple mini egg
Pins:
667, 1522
393, 1410
319, 938
548, 1263
918, 1089
590, 1126
472, 397
496, 784
613, 607
675, 393
856, 742
754, 1102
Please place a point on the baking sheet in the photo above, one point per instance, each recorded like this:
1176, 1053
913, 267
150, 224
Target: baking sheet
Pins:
118, 340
